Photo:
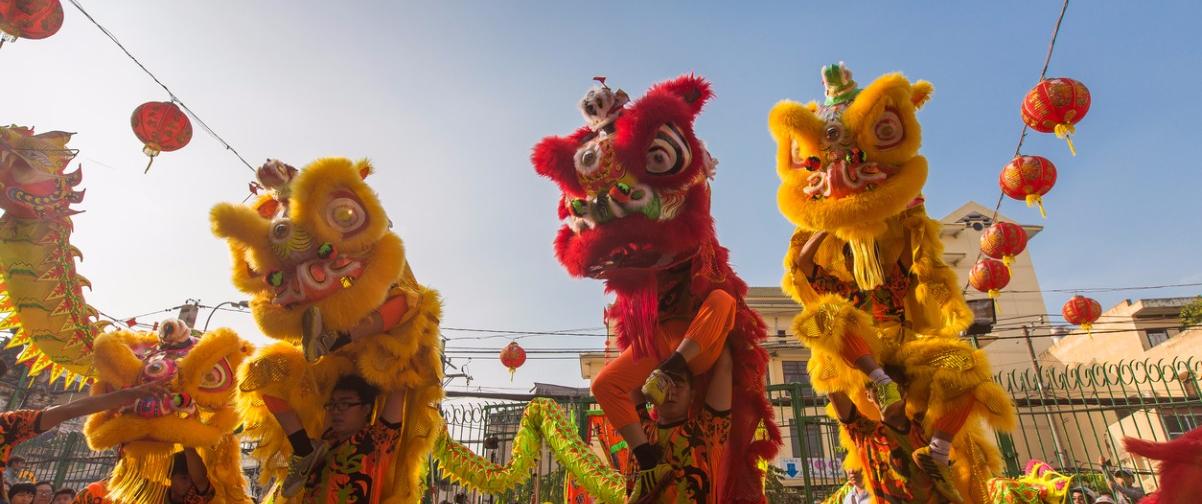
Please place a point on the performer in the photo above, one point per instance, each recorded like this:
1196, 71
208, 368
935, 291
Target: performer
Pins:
635, 204
348, 463
323, 270
189, 479
692, 444
865, 262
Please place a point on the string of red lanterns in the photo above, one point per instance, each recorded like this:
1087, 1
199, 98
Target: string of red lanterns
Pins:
1053, 105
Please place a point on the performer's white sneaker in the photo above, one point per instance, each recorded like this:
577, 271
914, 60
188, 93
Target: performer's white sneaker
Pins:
299, 469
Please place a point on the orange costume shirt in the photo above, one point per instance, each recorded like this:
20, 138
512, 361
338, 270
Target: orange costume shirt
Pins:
353, 469
889, 468
17, 427
694, 448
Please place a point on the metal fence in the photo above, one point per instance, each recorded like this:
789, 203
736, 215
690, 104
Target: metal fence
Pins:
1068, 417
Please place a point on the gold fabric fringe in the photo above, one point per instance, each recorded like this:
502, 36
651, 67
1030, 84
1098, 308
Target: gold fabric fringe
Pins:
866, 266
140, 477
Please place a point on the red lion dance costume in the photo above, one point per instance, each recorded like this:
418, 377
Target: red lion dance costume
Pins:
636, 206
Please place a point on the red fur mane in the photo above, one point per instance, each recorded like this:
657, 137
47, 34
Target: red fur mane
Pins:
1180, 467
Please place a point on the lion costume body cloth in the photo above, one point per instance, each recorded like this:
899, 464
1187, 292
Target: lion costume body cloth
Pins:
198, 411
323, 239
850, 169
636, 209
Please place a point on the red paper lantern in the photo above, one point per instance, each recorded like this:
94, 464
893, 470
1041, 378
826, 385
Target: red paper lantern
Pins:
512, 357
1004, 240
1055, 106
162, 127
989, 276
31, 19
1082, 311
1028, 178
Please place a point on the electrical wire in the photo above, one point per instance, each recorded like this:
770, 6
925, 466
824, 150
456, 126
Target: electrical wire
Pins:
1022, 137
175, 99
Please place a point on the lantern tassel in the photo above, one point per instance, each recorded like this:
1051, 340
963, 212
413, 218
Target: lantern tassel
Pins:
1008, 260
511, 371
1035, 199
1088, 326
147, 170
1066, 131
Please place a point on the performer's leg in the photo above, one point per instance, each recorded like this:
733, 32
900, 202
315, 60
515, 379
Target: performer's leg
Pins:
888, 397
612, 387
304, 455
945, 428
702, 344
317, 341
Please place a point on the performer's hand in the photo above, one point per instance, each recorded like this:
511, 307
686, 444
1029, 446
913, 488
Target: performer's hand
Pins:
148, 389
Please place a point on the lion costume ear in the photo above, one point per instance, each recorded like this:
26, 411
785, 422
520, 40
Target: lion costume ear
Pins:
365, 168
920, 93
694, 90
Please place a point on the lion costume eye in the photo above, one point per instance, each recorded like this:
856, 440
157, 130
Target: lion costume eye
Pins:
218, 378
888, 130
345, 215
588, 158
669, 152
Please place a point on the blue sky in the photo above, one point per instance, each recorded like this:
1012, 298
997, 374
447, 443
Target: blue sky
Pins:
448, 97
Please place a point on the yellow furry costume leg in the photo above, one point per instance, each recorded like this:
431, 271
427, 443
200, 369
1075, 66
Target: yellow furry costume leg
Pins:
945, 375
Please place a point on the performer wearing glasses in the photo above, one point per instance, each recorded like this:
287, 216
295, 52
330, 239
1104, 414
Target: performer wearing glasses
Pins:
350, 458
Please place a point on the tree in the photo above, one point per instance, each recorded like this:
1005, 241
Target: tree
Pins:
1191, 314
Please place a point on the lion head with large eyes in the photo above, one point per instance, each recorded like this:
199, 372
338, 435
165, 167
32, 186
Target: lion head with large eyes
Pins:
849, 164
196, 410
634, 181
321, 238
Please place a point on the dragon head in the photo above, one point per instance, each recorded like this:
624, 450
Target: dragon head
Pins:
32, 182
852, 162
634, 181
321, 238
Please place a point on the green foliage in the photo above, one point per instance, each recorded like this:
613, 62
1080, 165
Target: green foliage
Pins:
1191, 314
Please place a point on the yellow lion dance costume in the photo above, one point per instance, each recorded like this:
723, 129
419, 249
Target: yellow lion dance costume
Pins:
865, 262
322, 239
198, 412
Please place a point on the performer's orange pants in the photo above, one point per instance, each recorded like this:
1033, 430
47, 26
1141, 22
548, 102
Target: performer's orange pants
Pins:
614, 384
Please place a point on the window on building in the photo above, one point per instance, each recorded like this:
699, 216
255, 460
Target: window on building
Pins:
795, 372
813, 440
781, 333
1156, 336
1179, 422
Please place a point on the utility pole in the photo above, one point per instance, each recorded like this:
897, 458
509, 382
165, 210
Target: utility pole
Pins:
1061, 456
188, 312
